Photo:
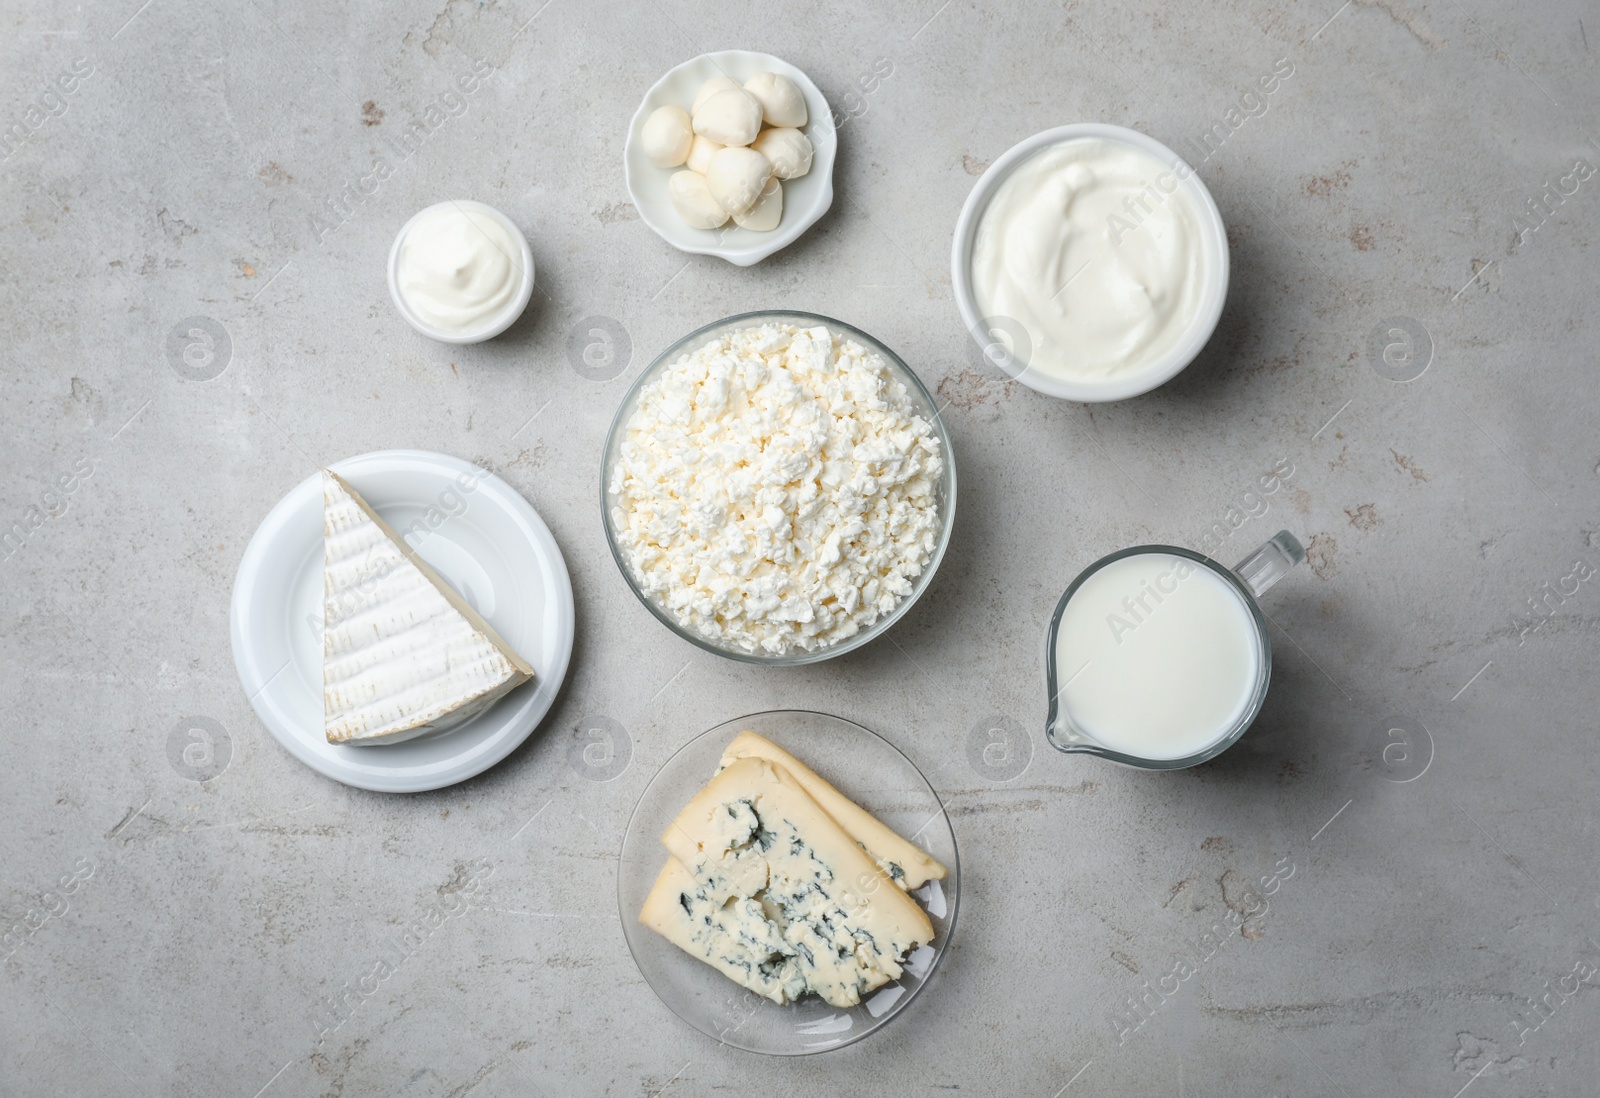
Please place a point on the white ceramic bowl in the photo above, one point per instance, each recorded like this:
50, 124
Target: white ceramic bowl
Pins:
1213, 245
804, 200
523, 261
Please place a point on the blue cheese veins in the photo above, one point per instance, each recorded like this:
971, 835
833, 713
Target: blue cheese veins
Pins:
769, 889
736, 937
907, 864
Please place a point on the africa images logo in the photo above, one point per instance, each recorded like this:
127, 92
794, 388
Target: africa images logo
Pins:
340, 206
52, 102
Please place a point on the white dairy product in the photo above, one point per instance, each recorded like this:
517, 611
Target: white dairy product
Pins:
693, 200
1095, 249
1156, 656
737, 177
788, 149
402, 653
782, 103
459, 267
722, 140
712, 87
666, 137
700, 153
776, 489
763, 216
729, 117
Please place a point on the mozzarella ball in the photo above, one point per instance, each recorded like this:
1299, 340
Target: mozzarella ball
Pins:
782, 103
736, 178
692, 199
700, 154
712, 87
787, 149
729, 117
666, 137
764, 216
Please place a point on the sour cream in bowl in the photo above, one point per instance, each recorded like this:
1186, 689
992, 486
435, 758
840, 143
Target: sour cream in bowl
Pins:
1090, 263
460, 272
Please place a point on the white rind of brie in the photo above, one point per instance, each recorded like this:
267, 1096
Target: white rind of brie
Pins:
403, 654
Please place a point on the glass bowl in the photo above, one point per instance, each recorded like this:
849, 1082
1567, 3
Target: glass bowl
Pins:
922, 404
867, 769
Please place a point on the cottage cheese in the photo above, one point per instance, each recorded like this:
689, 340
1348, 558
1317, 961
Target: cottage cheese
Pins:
776, 490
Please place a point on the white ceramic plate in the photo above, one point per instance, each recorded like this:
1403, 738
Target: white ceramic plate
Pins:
487, 543
804, 200
866, 768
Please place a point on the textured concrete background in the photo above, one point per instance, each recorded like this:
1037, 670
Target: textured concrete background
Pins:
175, 936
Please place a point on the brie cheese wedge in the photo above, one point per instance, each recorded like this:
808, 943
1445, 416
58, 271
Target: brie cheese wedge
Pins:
402, 654
767, 887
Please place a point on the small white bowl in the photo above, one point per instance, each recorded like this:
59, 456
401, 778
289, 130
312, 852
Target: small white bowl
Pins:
804, 200
523, 262
1213, 245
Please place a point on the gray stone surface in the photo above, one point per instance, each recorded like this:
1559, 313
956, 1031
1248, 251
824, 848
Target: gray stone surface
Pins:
207, 919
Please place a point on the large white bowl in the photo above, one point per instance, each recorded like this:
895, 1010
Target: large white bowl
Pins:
804, 200
1213, 244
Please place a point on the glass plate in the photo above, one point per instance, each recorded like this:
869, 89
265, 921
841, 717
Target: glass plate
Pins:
867, 769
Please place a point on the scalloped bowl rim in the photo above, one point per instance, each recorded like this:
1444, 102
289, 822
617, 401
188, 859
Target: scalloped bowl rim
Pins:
819, 129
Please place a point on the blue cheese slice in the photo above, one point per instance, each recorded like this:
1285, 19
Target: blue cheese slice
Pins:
907, 864
736, 937
753, 847
402, 653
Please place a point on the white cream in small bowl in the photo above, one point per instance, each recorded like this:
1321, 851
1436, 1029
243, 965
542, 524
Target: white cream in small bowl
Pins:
460, 272
1090, 263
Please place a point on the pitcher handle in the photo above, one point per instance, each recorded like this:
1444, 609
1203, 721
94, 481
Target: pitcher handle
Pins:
1270, 563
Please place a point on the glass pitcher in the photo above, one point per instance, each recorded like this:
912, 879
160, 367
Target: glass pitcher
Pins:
1250, 578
